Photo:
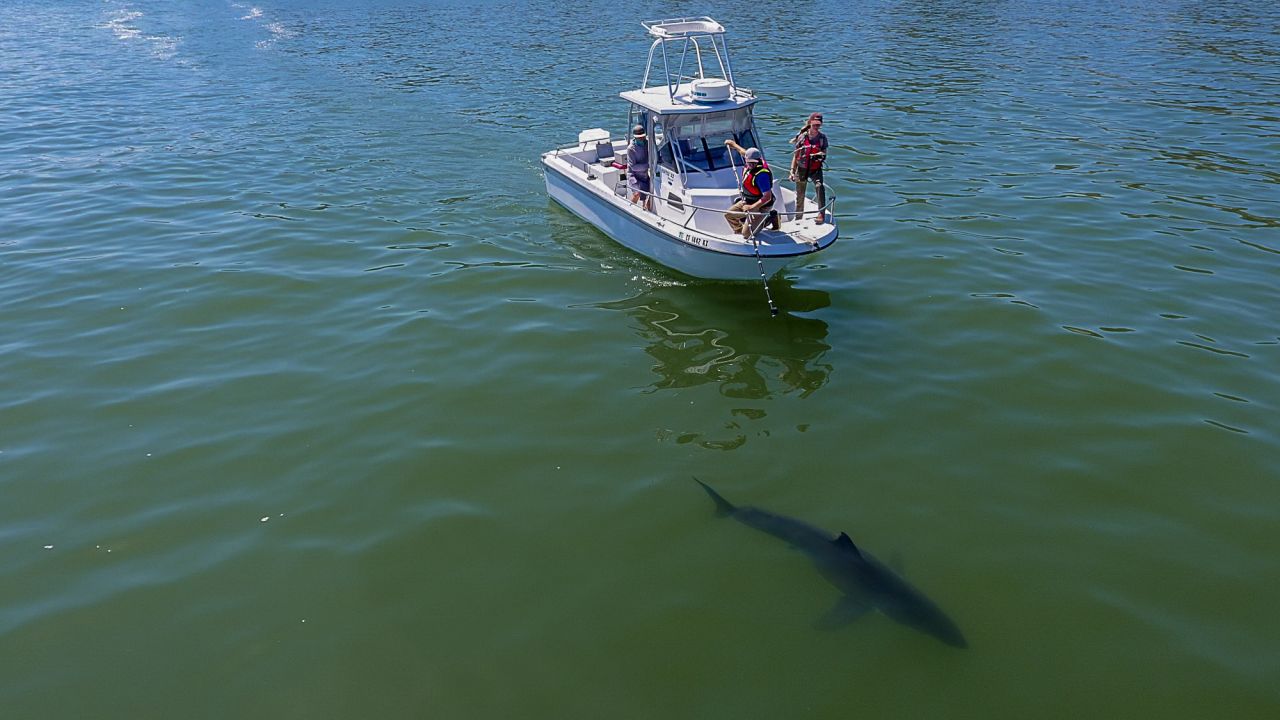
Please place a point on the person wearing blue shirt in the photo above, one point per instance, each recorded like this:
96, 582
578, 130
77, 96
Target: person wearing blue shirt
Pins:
747, 214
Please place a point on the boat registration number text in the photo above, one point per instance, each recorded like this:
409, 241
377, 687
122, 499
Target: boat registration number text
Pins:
693, 239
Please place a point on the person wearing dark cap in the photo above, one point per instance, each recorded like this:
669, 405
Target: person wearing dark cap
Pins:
638, 168
806, 164
746, 215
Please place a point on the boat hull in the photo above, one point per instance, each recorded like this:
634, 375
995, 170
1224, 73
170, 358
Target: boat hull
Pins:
660, 240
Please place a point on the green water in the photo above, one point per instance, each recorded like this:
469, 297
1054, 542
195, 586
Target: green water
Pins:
315, 406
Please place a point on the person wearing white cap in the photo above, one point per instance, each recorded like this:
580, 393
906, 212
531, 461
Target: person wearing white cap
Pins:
638, 168
757, 192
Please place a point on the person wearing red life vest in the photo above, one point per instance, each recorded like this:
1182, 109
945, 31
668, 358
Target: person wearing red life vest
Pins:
746, 215
806, 164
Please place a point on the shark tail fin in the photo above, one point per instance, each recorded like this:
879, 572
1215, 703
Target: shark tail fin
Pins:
723, 507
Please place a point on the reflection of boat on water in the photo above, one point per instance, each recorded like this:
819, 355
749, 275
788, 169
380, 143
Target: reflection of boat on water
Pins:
704, 334
696, 178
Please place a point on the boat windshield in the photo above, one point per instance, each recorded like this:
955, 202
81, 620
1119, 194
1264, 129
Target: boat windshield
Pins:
699, 138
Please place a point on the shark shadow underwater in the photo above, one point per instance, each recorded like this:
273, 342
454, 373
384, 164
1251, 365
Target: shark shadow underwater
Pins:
866, 583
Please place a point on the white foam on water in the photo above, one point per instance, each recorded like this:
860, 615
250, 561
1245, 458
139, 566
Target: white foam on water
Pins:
121, 24
163, 46
278, 31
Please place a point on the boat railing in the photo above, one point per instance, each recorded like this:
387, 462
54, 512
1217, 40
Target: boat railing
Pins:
829, 207
589, 167
578, 163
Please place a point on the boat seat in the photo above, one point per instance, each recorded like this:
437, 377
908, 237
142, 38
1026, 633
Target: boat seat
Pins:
604, 152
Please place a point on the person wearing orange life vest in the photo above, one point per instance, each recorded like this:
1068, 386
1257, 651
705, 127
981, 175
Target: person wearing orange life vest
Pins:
806, 164
746, 215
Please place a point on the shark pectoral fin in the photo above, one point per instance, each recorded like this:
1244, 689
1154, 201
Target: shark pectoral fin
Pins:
846, 610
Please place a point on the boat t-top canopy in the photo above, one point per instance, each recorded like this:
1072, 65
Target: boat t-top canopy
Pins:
683, 27
694, 90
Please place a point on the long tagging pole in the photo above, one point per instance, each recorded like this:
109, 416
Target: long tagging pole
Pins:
755, 243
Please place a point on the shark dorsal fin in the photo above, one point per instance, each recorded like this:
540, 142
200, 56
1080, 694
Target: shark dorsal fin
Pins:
844, 542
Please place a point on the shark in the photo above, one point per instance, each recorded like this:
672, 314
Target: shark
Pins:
865, 583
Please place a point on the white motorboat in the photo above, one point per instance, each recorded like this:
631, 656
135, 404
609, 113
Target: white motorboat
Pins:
695, 177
